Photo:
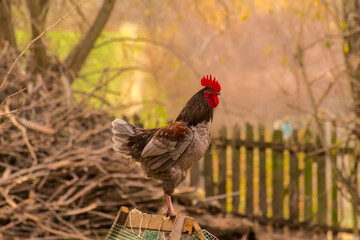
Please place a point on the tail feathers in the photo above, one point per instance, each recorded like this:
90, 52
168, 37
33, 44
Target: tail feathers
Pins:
122, 131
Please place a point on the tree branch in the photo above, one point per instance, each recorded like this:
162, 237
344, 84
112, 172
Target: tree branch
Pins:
78, 55
168, 47
351, 17
35, 39
38, 10
350, 188
6, 24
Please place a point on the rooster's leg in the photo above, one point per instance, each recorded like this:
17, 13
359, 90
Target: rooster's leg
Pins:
170, 211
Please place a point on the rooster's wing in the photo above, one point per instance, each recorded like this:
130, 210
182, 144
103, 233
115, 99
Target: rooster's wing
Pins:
166, 146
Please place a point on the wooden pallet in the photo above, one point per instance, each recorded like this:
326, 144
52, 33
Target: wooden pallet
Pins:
177, 226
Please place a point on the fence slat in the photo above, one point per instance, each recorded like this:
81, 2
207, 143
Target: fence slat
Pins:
222, 167
278, 178
334, 199
321, 186
249, 172
195, 175
308, 182
262, 174
294, 181
235, 168
208, 173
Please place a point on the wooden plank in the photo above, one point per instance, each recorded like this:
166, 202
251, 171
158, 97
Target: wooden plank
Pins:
249, 172
200, 235
222, 167
178, 227
278, 178
294, 181
122, 215
137, 220
208, 173
308, 215
235, 168
321, 187
195, 175
262, 174
334, 193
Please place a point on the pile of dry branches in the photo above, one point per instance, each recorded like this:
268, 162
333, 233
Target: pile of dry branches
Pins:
59, 176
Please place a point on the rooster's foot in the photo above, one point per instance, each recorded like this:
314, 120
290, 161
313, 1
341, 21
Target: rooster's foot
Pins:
171, 214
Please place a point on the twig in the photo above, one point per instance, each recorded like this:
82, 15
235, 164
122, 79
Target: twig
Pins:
349, 187
36, 127
168, 47
7, 198
35, 39
24, 134
221, 196
11, 95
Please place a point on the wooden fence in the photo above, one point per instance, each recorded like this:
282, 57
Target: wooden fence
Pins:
282, 182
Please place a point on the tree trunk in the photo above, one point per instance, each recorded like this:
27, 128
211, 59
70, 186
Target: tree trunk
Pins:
38, 10
351, 14
78, 55
6, 24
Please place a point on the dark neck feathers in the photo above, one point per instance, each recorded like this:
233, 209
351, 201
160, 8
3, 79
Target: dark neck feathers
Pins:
196, 110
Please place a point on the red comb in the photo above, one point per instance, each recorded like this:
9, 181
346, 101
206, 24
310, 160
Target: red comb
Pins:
206, 81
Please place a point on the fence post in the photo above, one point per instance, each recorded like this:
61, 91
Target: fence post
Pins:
262, 174
308, 179
195, 175
321, 186
208, 173
235, 168
222, 167
294, 179
334, 200
249, 171
278, 177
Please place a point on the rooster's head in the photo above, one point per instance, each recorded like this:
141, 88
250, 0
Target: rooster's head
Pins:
211, 91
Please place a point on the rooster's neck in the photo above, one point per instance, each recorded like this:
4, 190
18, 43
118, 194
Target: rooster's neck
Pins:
196, 110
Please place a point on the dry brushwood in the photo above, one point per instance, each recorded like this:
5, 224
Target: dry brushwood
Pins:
59, 177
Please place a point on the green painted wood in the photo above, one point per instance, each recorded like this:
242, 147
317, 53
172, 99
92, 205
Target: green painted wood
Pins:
294, 181
235, 168
277, 178
222, 166
321, 186
308, 215
262, 174
208, 173
249, 172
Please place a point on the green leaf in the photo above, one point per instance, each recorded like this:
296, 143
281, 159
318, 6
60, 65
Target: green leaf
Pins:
346, 48
343, 25
284, 61
327, 44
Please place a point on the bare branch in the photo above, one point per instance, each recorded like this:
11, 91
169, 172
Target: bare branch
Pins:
24, 134
38, 10
352, 190
34, 40
6, 23
78, 55
168, 47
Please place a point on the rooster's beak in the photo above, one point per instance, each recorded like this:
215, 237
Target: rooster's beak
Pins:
217, 93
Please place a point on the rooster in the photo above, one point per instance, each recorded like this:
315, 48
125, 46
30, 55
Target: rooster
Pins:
167, 153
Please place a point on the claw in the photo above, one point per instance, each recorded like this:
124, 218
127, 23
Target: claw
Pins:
170, 214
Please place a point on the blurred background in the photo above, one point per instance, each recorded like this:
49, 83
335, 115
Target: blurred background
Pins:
67, 68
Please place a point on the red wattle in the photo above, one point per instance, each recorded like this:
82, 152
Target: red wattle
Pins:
213, 99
